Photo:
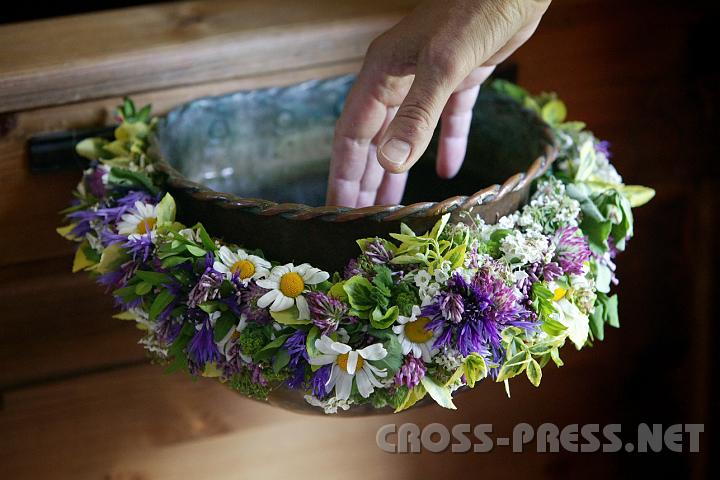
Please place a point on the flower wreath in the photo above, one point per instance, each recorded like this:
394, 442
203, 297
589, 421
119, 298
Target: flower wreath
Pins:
412, 315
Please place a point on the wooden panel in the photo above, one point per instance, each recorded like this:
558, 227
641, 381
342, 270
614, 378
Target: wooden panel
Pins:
139, 423
140, 49
56, 324
29, 202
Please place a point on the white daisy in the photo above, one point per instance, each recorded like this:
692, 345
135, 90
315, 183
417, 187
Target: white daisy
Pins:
241, 265
349, 364
140, 221
413, 337
287, 283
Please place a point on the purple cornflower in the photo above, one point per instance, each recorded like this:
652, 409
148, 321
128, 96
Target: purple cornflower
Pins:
248, 298
571, 250
202, 347
208, 285
351, 269
297, 378
84, 220
377, 253
295, 345
319, 380
411, 372
326, 312
451, 306
488, 306
140, 247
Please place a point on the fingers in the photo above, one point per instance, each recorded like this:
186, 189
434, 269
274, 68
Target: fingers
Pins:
361, 119
454, 131
373, 175
455, 123
391, 189
408, 135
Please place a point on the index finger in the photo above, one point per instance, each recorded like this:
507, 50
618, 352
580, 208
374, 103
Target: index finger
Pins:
361, 119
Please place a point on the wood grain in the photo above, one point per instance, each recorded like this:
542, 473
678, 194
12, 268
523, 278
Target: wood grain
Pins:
115, 53
137, 423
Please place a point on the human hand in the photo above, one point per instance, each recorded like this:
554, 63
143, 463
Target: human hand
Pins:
429, 66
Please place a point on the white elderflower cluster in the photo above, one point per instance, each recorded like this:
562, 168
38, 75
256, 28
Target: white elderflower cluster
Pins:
449, 358
549, 207
329, 405
524, 247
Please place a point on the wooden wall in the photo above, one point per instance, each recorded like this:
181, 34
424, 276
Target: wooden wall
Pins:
79, 401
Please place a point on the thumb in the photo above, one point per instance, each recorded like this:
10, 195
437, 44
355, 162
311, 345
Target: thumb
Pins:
409, 134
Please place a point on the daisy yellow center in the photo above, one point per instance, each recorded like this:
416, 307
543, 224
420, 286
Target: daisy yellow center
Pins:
415, 331
291, 284
145, 225
243, 269
559, 294
342, 360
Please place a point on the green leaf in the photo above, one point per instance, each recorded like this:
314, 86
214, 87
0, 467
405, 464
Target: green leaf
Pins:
122, 176
637, 195
110, 259
611, 311
552, 327
337, 291
82, 261
555, 355
91, 148
408, 259
514, 366
166, 210
291, 316
603, 277
383, 281
394, 358
143, 288
440, 393
153, 278
587, 164
268, 350
439, 227
475, 369
359, 291
161, 302
197, 251
456, 256
312, 335
413, 396
171, 262
553, 112
205, 238
223, 325
534, 372
381, 320
282, 358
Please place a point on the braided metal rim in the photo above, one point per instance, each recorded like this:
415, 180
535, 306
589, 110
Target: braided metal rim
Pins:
379, 213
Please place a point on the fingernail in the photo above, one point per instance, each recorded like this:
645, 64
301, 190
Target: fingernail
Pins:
396, 151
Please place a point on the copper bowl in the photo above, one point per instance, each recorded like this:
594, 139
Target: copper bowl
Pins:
252, 166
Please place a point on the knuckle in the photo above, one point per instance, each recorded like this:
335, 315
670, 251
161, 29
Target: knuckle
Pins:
415, 118
444, 57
